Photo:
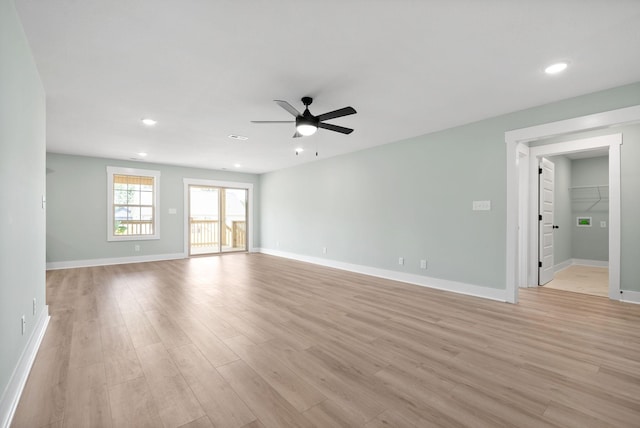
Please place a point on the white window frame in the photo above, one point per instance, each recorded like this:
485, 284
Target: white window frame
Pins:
113, 170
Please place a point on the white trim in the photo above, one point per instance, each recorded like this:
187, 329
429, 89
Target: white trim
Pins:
592, 263
113, 261
630, 296
217, 183
617, 117
111, 170
562, 266
614, 220
425, 281
523, 168
11, 395
627, 115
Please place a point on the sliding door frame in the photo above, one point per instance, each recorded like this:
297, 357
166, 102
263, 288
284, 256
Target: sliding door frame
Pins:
220, 184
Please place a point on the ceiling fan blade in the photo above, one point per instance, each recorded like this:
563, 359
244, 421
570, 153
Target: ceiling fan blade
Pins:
273, 121
297, 135
288, 107
337, 113
336, 128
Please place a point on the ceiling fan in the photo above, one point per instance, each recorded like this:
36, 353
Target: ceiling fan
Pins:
306, 123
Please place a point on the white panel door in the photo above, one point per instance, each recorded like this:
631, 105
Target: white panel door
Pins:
545, 236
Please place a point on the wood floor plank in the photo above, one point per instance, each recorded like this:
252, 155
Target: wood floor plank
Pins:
170, 334
390, 418
91, 408
208, 343
217, 398
361, 402
202, 422
567, 417
132, 405
261, 341
86, 344
297, 392
264, 401
120, 358
330, 414
174, 399
46, 388
254, 424
140, 330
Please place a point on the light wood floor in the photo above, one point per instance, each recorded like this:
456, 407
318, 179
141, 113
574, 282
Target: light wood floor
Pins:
582, 279
258, 341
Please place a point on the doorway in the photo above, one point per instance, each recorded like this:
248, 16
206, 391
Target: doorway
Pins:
217, 220
217, 217
609, 143
574, 229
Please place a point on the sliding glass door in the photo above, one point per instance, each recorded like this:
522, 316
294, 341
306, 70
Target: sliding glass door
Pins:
217, 219
234, 214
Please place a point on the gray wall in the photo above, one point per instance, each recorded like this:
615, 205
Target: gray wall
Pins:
591, 243
77, 208
413, 199
562, 215
22, 163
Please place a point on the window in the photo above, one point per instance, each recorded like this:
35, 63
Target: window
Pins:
132, 204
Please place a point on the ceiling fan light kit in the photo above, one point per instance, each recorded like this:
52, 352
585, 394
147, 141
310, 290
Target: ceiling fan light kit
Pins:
307, 124
306, 129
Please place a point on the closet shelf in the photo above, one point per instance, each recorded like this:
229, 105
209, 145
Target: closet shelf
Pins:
591, 195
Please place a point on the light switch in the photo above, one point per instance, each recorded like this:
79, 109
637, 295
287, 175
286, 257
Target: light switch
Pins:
481, 205
172, 211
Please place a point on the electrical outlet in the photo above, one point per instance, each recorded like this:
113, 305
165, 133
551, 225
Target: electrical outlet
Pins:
34, 306
423, 264
277, 244
400, 260
324, 250
24, 324
136, 247
603, 224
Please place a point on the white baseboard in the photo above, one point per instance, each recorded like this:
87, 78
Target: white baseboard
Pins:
630, 296
562, 266
425, 281
592, 263
113, 261
11, 395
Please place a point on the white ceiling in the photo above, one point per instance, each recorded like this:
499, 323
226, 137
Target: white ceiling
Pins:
205, 68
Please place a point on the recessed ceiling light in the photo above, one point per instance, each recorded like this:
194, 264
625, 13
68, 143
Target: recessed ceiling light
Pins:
148, 121
143, 154
237, 165
556, 68
238, 137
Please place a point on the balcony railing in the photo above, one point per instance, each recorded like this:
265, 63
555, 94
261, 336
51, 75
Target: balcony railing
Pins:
134, 227
205, 233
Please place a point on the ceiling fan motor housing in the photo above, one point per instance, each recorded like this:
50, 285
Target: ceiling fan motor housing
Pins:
307, 119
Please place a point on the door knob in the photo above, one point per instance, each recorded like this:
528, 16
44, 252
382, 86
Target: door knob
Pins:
556, 227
